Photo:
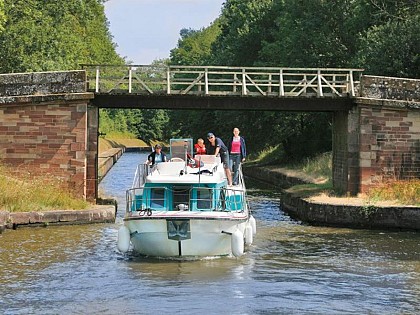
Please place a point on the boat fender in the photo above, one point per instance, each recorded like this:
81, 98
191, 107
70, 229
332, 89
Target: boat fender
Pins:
123, 242
249, 235
237, 241
253, 224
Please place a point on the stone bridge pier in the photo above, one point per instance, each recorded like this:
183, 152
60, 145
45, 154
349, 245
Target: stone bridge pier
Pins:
49, 125
379, 138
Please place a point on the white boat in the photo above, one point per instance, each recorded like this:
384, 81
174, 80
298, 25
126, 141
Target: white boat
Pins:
184, 208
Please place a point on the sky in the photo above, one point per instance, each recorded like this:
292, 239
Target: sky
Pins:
146, 30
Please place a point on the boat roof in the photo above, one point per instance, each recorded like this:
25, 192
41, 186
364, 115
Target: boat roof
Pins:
209, 170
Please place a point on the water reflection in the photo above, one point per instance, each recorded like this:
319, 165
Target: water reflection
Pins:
291, 268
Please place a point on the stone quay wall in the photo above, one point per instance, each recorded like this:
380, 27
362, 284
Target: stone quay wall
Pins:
365, 216
98, 214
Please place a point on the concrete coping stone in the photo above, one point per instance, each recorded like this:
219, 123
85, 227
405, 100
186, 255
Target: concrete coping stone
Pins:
98, 214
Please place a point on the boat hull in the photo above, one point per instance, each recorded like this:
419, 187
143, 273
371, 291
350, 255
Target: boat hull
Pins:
186, 237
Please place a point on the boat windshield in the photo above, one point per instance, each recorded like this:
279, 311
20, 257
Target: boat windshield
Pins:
180, 148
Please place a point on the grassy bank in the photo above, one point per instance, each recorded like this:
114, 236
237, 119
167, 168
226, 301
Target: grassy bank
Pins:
118, 140
24, 192
319, 169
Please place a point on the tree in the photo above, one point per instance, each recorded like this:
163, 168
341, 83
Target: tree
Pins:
392, 47
194, 46
243, 27
54, 35
2, 16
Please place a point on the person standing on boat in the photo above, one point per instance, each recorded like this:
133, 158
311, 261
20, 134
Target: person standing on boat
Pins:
199, 147
218, 148
237, 154
156, 156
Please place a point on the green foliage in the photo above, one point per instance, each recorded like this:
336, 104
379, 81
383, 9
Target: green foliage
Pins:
194, 47
148, 124
309, 34
244, 25
2, 16
54, 35
267, 156
392, 49
25, 193
317, 166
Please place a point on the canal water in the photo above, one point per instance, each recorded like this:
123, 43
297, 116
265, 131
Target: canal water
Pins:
291, 268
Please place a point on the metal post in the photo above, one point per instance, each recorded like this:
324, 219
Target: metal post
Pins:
244, 82
320, 93
352, 93
168, 81
97, 80
129, 79
206, 81
281, 87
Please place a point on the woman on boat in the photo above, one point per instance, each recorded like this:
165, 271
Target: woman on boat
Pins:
156, 156
199, 147
237, 153
217, 147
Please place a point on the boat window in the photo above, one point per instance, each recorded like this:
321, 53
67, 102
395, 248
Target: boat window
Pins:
157, 199
204, 198
181, 196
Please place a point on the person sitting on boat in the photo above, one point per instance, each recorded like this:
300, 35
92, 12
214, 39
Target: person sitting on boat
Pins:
217, 147
156, 156
199, 147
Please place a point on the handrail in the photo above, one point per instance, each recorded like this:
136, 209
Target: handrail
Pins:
142, 171
219, 199
222, 80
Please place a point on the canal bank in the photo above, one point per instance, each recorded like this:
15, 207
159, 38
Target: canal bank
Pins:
97, 214
318, 209
108, 158
104, 211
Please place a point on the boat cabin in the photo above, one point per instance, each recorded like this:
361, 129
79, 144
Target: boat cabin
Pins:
180, 185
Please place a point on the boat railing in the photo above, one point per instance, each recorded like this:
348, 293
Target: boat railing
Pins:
142, 171
241, 182
198, 199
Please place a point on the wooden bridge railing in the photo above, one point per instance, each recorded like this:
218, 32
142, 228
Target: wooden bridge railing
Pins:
223, 80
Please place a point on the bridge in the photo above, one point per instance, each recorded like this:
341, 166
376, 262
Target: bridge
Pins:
221, 87
49, 120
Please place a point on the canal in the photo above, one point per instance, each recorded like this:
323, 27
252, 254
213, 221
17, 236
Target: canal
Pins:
290, 268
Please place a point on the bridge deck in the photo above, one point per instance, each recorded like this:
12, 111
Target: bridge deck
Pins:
223, 81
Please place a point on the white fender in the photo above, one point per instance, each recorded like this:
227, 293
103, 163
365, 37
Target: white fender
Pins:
249, 235
253, 224
123, 242
237, 243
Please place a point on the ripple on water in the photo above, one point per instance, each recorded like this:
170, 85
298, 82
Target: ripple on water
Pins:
291, 268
